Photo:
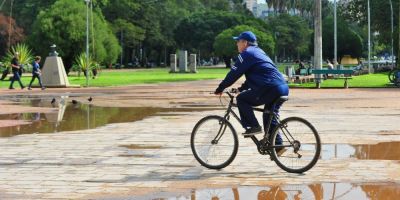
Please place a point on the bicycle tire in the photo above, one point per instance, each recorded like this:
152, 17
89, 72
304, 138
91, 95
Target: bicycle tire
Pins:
224, 125
392, 75
284, 127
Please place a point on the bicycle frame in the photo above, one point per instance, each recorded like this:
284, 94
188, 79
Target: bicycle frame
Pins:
262, 148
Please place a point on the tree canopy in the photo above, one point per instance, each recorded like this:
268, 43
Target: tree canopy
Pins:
291, 34
349, 42
224, 45
64, 24
9, 36
150, 30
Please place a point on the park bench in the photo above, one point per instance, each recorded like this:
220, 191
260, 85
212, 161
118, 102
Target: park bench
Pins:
304, 76
345, 72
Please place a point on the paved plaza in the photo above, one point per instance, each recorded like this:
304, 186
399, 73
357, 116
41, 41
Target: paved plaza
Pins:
151, 158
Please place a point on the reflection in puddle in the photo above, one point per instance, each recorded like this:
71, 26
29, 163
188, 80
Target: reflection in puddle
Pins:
308, 192
380, 151
72, 117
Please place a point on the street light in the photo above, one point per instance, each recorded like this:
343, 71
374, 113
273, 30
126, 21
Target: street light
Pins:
276, 34
369, 39
87, 42
391, 21
335, 34
318, 40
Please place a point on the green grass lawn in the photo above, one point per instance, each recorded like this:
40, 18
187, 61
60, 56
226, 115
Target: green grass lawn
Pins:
159, 75
139, 76
364, 81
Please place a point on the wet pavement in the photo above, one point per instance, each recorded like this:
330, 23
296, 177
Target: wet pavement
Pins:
149, 157
317, 191
68, 116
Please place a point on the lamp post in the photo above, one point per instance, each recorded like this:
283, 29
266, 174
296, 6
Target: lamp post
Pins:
318, 40
391, 22
276, 34
335, 34
369, 39
87, 42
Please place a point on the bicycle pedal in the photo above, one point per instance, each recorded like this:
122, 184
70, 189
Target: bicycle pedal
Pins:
270, 157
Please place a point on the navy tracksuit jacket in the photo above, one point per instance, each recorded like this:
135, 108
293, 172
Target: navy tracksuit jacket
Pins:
264, 84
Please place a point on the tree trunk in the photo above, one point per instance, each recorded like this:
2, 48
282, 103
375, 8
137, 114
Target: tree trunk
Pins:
94, 71
227, 60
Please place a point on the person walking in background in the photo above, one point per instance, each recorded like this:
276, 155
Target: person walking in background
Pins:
15, 70
36, 73
301, 66
330, 65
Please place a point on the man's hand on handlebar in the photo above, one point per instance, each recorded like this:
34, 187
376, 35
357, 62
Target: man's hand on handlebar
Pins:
218, 93
231, 91
234, 90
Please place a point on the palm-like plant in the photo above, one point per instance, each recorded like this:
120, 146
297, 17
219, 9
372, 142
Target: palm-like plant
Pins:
25, 58
82, 64
25, 55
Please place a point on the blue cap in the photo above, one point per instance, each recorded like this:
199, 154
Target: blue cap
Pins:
247, 35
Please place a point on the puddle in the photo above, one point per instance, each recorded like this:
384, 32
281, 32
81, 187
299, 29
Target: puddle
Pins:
71, 117
380, 151
318, 191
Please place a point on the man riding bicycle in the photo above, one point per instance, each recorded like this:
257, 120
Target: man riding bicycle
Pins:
264, 83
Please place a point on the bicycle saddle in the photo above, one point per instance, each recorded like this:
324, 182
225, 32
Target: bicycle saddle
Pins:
281, 99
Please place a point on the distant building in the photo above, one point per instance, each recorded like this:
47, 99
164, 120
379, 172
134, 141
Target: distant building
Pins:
262, 10
250, 4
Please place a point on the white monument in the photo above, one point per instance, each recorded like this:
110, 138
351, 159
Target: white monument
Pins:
53, 72
192, 63
183, 61
173, 63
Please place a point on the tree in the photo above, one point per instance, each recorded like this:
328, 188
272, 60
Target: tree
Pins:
355, 11
9, 35
225, 46
349, 42
25, 11
221, 5
64, 24
198, 31
291, 33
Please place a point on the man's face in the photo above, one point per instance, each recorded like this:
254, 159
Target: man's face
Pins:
241, 45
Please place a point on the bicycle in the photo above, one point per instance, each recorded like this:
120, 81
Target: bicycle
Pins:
394, 76
214, 141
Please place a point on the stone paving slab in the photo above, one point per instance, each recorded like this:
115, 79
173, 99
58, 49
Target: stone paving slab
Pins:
98, 164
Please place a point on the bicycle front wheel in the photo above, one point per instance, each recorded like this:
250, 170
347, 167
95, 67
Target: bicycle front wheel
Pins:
214, 142
300, 148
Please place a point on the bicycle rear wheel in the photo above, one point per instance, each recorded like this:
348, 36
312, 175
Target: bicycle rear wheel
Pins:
214, 142
393, 75
301, 143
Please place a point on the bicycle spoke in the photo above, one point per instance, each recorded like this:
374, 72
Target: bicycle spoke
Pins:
302, 145
214, 143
